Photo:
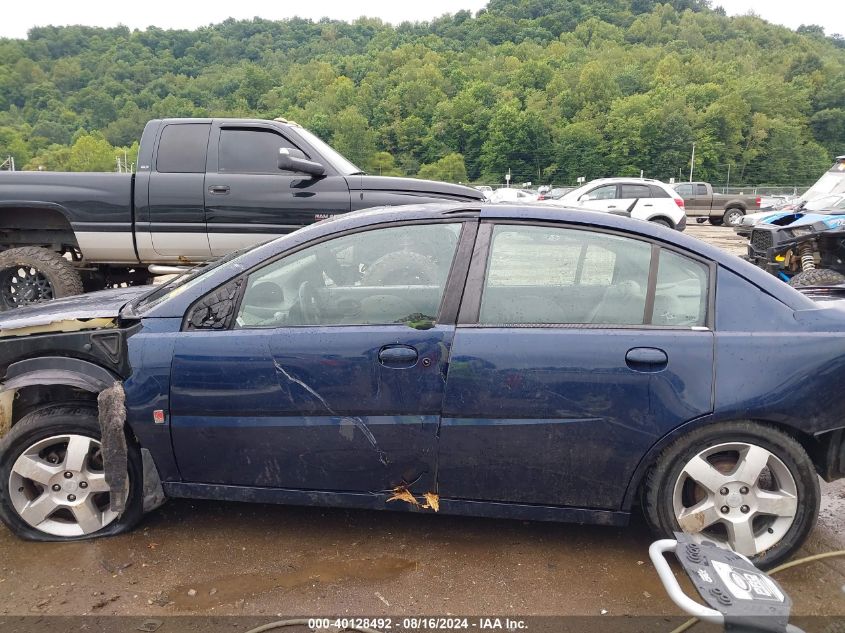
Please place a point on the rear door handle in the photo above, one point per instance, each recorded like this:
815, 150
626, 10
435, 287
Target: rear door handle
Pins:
219, 189
398, 356
646, 359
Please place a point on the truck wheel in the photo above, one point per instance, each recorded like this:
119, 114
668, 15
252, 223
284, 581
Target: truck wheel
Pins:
31, 275
817, 277
743, 485
715, 221
733, 216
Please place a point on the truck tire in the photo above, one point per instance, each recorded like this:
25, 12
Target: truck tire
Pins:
31, 275
732, 215
817, 277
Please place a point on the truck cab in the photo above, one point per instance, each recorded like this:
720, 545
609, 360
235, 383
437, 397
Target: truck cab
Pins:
703, 204
203, 188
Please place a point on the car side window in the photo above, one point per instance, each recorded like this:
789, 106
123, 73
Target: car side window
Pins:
635, 191
680, 297
250, 151
380, 276
543, 275
659, 192
539, 274
607, 192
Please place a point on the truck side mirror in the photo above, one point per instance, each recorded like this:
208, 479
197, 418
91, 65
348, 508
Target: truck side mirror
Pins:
294, 160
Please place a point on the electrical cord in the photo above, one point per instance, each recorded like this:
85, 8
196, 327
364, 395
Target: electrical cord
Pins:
793, 563
270, 626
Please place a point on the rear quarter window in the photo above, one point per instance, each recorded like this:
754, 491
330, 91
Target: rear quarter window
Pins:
182, 148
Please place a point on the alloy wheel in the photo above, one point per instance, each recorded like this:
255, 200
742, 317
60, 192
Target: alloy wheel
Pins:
737, 494
58, 486
24, 285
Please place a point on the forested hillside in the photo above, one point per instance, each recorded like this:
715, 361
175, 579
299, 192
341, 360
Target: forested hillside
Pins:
552, 89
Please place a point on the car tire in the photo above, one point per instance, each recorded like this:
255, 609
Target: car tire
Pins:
786, 478
39, 436
31, 274
662, 222
715, 221
817, 277
732, 216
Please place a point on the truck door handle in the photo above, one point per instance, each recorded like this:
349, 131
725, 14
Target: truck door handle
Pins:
219, 189
398, 356
646, 359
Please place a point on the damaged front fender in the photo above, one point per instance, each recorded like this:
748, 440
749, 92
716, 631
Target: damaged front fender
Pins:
89, 377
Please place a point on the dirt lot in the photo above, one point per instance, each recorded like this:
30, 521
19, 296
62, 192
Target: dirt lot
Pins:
208, 558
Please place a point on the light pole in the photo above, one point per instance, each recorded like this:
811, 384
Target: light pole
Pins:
692, 162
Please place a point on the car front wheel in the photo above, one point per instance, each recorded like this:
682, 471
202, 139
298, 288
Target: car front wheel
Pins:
52, 481
743, 485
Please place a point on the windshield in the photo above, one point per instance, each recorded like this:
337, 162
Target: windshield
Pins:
831, 182
183, 282
337, 160
826, 204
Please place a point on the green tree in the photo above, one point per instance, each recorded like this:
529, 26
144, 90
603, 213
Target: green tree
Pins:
353, 136
450, 168
383, 164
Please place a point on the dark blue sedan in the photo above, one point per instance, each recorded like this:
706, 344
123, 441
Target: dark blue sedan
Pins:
531, 363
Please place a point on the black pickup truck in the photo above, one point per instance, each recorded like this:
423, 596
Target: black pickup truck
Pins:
203, 188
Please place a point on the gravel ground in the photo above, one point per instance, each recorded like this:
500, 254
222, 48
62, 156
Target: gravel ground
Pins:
211, 559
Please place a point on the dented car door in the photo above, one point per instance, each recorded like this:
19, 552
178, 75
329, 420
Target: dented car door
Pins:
332, 376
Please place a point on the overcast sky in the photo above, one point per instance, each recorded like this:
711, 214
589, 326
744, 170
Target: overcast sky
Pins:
17, 17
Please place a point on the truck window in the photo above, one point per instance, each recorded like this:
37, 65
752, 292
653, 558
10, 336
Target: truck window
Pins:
182, 148
250, 151
701, 189
684, 190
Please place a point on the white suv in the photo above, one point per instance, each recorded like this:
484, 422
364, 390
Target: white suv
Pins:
640, 198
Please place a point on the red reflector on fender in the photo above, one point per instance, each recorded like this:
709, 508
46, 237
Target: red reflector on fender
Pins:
158, 416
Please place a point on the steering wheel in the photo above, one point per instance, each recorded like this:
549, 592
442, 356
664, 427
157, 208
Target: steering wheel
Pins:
308, 304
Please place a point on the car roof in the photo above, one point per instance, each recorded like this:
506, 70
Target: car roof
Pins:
624, 179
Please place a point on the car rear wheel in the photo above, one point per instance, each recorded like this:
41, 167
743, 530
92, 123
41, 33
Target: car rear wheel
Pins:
743, 485
662, 222
52, 482
733, 216
31, 275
